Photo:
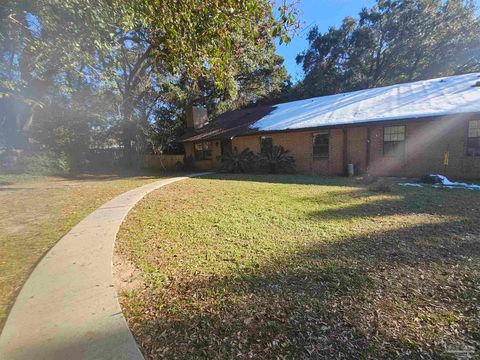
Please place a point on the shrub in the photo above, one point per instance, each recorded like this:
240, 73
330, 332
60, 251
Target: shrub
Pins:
43, 163
238, 162
48, 163
276, 160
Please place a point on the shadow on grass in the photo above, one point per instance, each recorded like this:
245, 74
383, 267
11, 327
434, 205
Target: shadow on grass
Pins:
455, 238
260, 313
360, 298
11, 188
107, 174
452, 241
109, 342
404, 292
403, 202
123, 174
282, 179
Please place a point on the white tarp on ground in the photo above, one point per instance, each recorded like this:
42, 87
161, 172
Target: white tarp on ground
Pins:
444, 182
442, 96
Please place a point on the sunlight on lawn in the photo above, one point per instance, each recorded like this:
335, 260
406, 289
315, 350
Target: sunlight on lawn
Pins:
261, 266
36, 211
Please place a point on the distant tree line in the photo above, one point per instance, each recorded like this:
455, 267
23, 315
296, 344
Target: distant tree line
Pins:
87, 74
394, 41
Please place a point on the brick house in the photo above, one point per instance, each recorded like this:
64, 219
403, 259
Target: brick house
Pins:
411, 129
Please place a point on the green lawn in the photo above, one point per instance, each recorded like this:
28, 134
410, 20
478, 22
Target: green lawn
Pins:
290, 267
36, 211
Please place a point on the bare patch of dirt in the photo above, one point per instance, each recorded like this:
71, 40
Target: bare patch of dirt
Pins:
126, 277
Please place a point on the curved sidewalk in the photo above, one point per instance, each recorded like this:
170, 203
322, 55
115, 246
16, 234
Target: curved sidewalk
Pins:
68, 308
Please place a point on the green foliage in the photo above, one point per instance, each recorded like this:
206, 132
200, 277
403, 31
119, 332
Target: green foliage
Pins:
238, 162
392, 42
47, 163
69, 129
276, 160
165, 130
138, 58
40, 163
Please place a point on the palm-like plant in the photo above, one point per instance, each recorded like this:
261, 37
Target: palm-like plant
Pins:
276, 160
238, 162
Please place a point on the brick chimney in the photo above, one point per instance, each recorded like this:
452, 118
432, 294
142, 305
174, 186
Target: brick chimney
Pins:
197, 117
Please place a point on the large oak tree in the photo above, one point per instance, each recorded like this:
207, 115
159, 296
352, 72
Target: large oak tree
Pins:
131, 54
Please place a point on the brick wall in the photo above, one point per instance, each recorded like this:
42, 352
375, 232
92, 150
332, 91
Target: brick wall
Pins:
426, 143
300, 145
357, 148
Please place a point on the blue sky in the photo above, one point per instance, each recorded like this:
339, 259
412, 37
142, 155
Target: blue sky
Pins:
323, 13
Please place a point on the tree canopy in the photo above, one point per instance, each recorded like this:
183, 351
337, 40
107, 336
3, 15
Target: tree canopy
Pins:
394, 41
129, 62
83, 74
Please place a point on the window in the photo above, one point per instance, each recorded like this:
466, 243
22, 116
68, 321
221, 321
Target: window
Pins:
266, 144
203, 151
321, 145
394, 141
473, 139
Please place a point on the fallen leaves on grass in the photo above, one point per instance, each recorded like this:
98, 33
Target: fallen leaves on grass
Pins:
332, 272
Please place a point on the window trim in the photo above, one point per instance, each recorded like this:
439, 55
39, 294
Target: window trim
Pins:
396, 142
206, 154
476, 138
320, 157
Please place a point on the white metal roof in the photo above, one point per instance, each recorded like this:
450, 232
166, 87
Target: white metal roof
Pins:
443, 96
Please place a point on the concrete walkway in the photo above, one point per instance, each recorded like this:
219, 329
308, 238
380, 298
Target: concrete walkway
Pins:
68, 308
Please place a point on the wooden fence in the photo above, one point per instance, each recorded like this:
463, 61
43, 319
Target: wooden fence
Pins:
167, 162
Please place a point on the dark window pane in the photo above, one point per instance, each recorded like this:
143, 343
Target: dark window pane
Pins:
207, 154
266, 144
394, 141
203, 151
393, 148
198, 155
321, 145
473, 146
321, 140
394, 133
474, 128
